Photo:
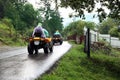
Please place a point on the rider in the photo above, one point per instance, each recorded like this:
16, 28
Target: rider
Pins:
57, 32
39, 31
46, 32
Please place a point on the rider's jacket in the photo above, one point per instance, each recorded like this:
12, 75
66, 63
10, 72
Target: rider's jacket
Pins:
38, 32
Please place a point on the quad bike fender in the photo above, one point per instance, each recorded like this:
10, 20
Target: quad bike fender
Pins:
48, 40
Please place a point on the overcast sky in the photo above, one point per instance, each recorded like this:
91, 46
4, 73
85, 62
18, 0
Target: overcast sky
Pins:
65, 13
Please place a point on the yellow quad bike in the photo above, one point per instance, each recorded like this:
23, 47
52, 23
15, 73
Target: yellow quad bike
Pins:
36, 43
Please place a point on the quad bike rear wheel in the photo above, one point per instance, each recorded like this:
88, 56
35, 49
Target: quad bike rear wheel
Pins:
30, 49
46, 50
51, 49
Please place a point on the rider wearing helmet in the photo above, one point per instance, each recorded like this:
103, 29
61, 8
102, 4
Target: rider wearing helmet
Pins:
57, 32
39, 31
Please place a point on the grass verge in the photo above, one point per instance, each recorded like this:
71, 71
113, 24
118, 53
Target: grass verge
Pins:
76, 66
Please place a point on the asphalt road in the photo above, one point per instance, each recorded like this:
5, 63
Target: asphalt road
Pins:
18, 65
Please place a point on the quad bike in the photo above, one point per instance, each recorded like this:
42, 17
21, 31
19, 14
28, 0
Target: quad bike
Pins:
57, 38
36, 43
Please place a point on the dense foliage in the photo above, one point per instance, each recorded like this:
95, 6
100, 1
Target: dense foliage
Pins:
22, 14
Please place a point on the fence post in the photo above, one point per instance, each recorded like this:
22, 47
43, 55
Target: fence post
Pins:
87, 43
110, 41
97, 36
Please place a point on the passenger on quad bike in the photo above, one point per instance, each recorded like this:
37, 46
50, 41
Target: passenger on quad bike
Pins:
46, 32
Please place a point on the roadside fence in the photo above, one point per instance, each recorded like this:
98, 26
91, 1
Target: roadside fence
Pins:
96, 36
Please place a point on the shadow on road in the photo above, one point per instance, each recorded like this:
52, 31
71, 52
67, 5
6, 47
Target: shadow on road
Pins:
39, 56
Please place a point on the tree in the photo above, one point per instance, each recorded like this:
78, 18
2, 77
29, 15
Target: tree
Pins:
77, 27
51, 18
106, 25
114, 32
1, 9
55, 23
28, 14
22, 14
12, 13
81, 6
90, 25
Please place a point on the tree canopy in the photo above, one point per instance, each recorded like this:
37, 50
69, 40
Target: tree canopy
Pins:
107, 25
81, 6
51, 18
22, 14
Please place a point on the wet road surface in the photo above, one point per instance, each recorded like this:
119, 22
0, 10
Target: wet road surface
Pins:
18, 65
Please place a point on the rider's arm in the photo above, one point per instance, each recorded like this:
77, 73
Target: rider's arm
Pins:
33, 33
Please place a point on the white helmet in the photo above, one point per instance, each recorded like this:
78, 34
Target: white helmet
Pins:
39, 24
